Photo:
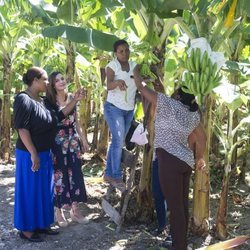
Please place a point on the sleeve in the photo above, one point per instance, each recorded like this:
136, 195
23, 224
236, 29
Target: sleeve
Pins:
112, 65
22, 111
132, 65
164, 103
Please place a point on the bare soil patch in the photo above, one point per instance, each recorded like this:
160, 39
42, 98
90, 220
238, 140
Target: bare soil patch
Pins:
100, 233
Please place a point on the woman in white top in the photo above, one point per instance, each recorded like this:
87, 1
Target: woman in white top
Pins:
119, 109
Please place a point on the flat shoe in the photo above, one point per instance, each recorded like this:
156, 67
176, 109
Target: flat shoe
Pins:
82, 220
48, 231
158, 231
62, 222
33, 238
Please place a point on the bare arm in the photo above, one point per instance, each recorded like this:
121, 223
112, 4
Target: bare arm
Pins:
200, 145
27, 141
192, 142
79, 95
83, 141
148, 93
111, 83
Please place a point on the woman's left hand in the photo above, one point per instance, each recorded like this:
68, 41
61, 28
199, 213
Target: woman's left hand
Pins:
200, 164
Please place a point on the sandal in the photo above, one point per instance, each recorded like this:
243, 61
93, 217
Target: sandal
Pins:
48, 231
61, 220
81, 219
33, 238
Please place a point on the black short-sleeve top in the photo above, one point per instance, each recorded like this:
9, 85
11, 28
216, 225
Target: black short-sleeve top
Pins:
173, 124
40, 118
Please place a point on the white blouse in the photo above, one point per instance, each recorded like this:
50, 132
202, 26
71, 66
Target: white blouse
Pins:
124, 100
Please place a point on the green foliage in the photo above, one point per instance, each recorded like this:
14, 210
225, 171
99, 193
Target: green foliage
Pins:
92, 170
166, 8
91, 37
66, 11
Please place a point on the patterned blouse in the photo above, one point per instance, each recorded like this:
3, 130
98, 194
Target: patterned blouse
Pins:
174, 123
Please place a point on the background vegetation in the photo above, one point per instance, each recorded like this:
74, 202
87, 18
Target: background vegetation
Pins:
76, 37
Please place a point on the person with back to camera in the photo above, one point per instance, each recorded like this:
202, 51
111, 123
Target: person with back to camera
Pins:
158, 197
119, 109
35, 120
176, 119
69, 187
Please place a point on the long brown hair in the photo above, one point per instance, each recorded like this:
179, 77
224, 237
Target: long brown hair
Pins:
51, 91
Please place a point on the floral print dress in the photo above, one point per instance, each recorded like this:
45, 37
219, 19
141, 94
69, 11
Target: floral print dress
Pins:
69, 184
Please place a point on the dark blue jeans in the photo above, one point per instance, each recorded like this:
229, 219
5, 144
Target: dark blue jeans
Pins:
159, 201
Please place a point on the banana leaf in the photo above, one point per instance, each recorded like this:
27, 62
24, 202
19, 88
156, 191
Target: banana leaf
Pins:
93, 38
228, 244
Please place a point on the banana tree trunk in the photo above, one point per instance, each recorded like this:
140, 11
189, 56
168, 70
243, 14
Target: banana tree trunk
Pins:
83, 111
95, 133
245, 162
104, 130
70, 67
200, 212
221, 217
145, 196
103, 138
6, 115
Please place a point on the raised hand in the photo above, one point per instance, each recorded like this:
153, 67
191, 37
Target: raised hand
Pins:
200, 164
79, 94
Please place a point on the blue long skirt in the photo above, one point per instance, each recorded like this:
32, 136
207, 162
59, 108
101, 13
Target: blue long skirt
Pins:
33, 192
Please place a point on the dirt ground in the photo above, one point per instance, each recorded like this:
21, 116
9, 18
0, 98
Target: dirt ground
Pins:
100, 233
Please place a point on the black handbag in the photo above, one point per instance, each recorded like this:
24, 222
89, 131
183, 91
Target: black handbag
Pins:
131, 145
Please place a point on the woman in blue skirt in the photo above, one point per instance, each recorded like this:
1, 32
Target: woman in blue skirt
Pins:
35, 120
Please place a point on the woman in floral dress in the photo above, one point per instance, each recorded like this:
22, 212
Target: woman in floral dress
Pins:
69, 187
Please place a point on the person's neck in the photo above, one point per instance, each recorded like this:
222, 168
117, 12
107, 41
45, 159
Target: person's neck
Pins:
61, 97
33, 93
124, 65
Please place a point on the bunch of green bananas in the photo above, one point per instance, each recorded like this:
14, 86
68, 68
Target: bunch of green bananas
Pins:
201, 76
146, 72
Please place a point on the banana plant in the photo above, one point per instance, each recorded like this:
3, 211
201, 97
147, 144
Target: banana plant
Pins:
69, 12
12, 28
233, 101
206, 18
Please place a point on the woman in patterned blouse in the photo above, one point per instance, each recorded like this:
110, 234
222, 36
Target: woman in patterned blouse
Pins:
176, 119
69, 187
